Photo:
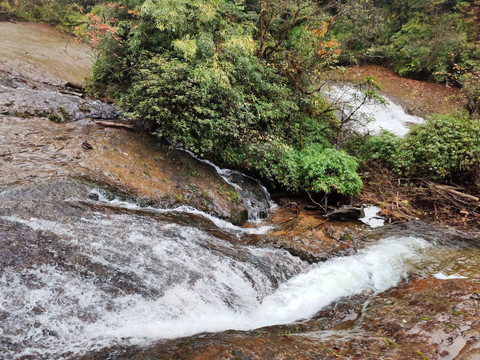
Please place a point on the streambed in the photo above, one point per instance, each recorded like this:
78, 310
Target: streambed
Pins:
82, 272
131, 251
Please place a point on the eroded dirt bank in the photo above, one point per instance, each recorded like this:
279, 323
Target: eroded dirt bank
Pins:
418, 97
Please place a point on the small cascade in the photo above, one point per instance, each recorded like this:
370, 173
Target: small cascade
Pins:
106, 198
109, 279
83, 270
105, 277
389, 116
254, 195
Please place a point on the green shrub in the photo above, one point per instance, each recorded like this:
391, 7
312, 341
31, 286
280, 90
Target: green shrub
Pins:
429, 45
446, 148
64, 14
199, 77
424, 39
381, 148
329, 170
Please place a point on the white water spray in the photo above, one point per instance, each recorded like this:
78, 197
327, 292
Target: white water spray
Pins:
223, 224
132, 280
256, 207
390, 116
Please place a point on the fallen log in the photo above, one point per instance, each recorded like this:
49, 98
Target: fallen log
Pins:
454, 192
115, 125
73, 93
346, 212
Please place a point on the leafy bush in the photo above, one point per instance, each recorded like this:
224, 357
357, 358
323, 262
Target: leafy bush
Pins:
327, 170
423, 39
65, 14
205, 76
315, 169
381, 148
428, 45
446, 148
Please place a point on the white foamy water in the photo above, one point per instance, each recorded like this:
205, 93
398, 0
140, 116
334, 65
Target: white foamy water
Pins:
256, 205
371, 218
223, 224
390, 116
124, 279
442, 276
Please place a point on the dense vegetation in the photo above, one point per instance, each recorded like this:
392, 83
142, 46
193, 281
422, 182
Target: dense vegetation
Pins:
445, 148
234, 81
65, 14
240, 81
436, 40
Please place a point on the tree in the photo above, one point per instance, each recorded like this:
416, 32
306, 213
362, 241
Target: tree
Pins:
237, 82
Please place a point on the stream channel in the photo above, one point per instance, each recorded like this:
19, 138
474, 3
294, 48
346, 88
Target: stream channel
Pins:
89, 268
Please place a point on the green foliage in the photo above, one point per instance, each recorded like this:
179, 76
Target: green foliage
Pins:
64, 14
211, 77
419, 38
53, 116
362, 28
315, 168
445, 147
381, 148
328, 169
428, 45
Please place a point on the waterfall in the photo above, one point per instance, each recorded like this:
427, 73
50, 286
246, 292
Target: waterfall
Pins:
389, 116
130, 279
254, 195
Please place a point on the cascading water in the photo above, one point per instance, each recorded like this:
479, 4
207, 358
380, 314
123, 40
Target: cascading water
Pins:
254, 195
223, 224
81, 274
115, 276
138, 280
81, 271
389, 116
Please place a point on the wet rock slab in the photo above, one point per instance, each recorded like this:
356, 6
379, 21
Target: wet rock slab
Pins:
23, 97
439, 318
33, 148
42, 53
306, 234
36, 149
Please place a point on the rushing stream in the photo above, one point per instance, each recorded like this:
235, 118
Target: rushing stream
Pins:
83, 270
85, 265
372, 116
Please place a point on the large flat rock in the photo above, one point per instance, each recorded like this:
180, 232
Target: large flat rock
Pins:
42, 53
